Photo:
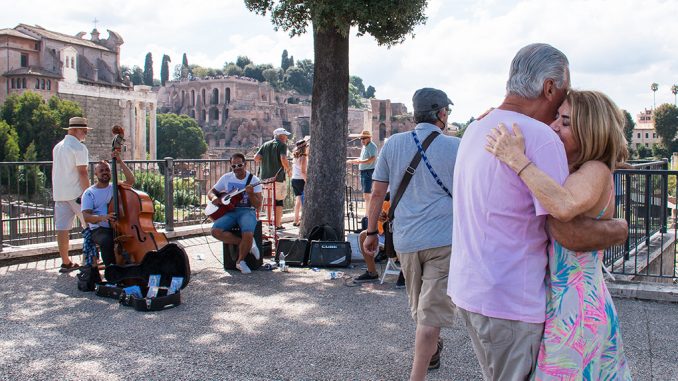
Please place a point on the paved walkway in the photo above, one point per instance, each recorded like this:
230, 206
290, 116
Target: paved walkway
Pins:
265, 326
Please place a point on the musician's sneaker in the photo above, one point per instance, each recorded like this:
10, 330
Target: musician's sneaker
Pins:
255, 250
242, 266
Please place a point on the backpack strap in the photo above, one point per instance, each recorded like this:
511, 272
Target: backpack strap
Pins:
409, 172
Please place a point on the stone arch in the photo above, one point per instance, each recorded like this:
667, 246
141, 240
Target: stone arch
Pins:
228, 95
192, 97
215, 96
382, 131
203, 97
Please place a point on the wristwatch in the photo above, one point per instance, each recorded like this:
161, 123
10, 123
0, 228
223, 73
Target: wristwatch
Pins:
373, 232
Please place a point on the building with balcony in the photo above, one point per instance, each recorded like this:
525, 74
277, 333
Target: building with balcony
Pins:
644, 133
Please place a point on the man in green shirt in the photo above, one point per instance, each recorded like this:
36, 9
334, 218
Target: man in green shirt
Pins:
272, 156
366, 163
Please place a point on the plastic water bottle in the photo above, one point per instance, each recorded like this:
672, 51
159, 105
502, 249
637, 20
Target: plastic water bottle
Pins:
281, 262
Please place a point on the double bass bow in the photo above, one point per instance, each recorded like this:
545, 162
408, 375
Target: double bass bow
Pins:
133, 209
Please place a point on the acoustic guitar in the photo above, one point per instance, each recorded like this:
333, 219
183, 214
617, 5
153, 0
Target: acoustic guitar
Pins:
229, 200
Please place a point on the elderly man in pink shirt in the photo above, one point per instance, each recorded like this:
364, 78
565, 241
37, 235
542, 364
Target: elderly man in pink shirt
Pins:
499, 243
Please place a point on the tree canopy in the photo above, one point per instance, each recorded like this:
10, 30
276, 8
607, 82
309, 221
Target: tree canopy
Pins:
629, 125
38, 122
180, 137
666, 123
164, 69
148, 70
389, 22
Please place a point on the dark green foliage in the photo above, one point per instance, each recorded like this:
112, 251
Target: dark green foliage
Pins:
9, 143
30, 178
243, 61
666, 123
296, 79
148, 70
369, 93
232, 69
164, 69
285, 61
125, 73
273, 76
256, 71
660, 152
137, 75
629, 125
185, 71
358, 83
354, 97
180, 137
644, 152
39, 122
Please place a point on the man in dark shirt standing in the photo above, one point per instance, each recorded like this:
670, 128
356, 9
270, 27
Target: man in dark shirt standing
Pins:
272, 156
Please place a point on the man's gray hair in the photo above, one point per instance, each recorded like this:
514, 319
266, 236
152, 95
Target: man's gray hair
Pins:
534, 64
427, 116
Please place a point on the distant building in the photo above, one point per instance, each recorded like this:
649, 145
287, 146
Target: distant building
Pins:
86, 71
644, 133
239, 113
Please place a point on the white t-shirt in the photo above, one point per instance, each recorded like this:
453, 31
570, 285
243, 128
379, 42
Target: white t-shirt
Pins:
229, 182
296, 168
67, 155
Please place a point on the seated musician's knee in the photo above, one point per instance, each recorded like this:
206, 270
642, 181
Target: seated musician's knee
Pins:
279, 203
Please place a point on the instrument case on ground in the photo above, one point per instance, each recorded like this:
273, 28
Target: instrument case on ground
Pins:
329, 254
296, 251
168, 262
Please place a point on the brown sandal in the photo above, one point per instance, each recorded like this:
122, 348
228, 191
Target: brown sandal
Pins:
69, 267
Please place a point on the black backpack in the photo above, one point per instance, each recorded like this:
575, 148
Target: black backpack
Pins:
323, 232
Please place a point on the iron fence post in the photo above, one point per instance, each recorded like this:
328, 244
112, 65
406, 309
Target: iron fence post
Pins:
169, 192
627, 215
665, 195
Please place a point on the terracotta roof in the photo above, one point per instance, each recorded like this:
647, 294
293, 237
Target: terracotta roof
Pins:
63, 37
16, 33
32, 71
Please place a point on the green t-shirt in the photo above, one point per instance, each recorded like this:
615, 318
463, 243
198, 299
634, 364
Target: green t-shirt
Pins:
270, 152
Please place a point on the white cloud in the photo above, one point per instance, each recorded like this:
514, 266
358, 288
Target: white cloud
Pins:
465, 48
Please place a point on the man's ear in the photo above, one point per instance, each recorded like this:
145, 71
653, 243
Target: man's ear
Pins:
549, 89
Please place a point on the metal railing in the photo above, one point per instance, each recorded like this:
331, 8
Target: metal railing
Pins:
179, 195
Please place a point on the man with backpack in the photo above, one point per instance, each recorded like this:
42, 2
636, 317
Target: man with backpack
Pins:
421, 224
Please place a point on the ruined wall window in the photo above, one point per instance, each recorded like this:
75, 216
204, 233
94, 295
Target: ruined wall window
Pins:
203, 97
42, 84
215, 115
23, 83
382, 110
192, 97
73, 62
49, 84
203, 116
215, 96
24, 60
12, 82
66, 63
225, 114
382, 131
228, 95
37, 83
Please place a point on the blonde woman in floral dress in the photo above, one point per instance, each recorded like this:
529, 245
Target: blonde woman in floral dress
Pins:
582, 337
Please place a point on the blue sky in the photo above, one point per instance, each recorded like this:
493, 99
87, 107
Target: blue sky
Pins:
618, 47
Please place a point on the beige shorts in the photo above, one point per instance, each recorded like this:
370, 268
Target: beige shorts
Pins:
64, 214
280, 190
506, 349
426, 274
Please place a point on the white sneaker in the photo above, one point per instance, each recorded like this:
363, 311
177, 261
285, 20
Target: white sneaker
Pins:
254, 250
242, 266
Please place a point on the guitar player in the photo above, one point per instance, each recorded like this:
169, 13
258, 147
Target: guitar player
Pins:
243, 214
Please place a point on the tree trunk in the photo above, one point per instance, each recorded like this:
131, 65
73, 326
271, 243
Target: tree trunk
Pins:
324, 192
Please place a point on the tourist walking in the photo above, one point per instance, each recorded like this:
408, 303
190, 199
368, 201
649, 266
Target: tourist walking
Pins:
366, 163
422, 210
272, 156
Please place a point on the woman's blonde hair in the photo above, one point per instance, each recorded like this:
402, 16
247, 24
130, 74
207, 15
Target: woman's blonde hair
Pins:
598, 127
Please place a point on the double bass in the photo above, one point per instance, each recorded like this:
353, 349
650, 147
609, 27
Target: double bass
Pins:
133, 209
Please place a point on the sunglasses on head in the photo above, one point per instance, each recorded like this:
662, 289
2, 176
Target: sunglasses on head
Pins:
239, 165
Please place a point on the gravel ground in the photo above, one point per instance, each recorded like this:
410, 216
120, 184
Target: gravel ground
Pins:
265, 326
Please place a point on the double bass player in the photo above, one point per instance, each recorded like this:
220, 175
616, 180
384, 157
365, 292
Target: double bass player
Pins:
95, 203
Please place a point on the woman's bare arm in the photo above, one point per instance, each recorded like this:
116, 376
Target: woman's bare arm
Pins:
581, 190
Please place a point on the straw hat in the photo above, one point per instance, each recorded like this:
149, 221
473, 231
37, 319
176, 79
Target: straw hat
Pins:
77, 122
364, 134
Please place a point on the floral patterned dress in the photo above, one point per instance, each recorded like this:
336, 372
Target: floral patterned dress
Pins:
582, 338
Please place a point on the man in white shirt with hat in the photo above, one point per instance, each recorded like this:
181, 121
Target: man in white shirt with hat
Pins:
69, 180
366, 164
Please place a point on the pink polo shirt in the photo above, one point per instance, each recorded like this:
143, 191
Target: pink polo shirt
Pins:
499, 241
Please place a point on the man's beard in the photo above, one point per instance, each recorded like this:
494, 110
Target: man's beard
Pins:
104, 180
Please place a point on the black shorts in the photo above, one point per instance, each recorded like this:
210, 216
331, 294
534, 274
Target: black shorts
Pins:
298, 186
